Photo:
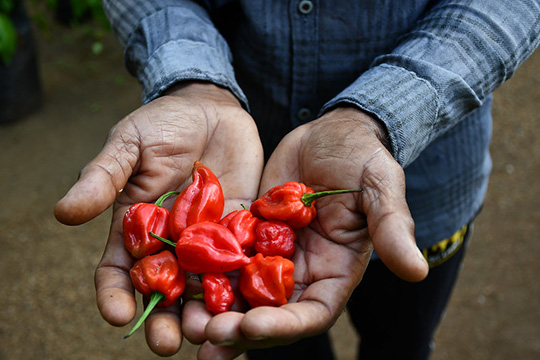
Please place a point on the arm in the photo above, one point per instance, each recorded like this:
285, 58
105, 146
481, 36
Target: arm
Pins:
169, 41
454, 57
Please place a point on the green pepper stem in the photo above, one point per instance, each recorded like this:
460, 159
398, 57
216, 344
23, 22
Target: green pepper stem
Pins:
199, 296
308, 198
162, 198
166, 241
154, 300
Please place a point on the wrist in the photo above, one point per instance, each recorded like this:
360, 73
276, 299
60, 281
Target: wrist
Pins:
203, 89
365, 119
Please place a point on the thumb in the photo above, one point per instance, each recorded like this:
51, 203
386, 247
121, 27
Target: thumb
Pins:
390, 223
99, 183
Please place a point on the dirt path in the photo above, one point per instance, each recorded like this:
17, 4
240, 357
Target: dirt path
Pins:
48, 309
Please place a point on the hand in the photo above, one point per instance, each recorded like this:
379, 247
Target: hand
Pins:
148, 153
341, 150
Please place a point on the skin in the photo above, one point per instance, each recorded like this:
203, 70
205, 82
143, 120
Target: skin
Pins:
152, 151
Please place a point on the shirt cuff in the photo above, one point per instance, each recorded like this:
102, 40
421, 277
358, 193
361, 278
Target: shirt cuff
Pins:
406, 104
183, 60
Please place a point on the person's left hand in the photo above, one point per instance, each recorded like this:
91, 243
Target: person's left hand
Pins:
341, 150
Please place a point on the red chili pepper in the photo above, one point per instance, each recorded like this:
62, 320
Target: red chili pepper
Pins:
242, 223
267, 281
209, 247
141, 219
292, 202
218, 293
159, 278
274, 237
202, 200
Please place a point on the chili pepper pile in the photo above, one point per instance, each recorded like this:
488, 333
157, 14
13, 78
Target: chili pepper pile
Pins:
258, 242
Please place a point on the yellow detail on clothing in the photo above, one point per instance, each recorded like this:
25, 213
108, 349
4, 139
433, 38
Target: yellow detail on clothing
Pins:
444, 249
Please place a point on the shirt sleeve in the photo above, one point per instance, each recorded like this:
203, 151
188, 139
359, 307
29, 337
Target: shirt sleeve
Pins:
443, 68
167, 41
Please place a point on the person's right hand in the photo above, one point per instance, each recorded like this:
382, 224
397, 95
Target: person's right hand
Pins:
148, 153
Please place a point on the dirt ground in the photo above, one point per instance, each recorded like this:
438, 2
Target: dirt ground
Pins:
47, 307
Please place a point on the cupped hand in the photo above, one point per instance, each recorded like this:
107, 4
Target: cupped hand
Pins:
341, 150
148, 153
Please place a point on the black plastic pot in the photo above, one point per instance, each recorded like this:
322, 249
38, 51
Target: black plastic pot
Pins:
20, 85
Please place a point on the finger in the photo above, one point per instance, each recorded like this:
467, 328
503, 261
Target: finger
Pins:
100, 181
195, 317
224, 329
287, 323
114, 289
208, 351
391, 226
266, 326
163, 331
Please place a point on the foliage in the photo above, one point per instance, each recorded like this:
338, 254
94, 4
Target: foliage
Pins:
80, 11
8, 35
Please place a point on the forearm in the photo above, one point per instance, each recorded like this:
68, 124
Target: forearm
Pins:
443, 68
168, 41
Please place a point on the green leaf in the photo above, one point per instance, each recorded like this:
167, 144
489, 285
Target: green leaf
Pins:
6, 6
8, 39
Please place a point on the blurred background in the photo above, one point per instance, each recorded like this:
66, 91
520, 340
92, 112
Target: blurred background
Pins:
76, 89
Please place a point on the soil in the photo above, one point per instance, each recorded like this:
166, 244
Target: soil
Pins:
48, 311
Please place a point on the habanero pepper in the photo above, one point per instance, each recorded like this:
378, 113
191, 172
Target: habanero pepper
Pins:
218, 294
202, 200
242, 223
158, 278
274, 237
208, 247
267, 281
141, 219
292, 202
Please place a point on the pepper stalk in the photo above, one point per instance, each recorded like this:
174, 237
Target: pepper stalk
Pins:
308, 198
154, 300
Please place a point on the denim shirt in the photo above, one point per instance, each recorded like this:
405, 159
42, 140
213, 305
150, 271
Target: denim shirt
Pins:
426, 69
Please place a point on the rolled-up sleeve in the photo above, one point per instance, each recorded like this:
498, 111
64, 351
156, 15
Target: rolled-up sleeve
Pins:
443, 68
168, 41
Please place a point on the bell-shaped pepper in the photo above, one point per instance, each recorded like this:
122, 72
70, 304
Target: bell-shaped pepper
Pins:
242, 223
202, 200
267, 281
218, 293
292, 202
158, 278
141, 219
208, 247
275, 238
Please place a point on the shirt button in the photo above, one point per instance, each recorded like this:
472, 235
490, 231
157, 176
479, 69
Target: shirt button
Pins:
304, 114
305, 7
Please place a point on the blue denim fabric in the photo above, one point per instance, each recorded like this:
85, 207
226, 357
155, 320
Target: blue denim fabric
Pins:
426, 69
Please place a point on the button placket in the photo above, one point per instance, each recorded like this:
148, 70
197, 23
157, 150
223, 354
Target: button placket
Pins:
305, 35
